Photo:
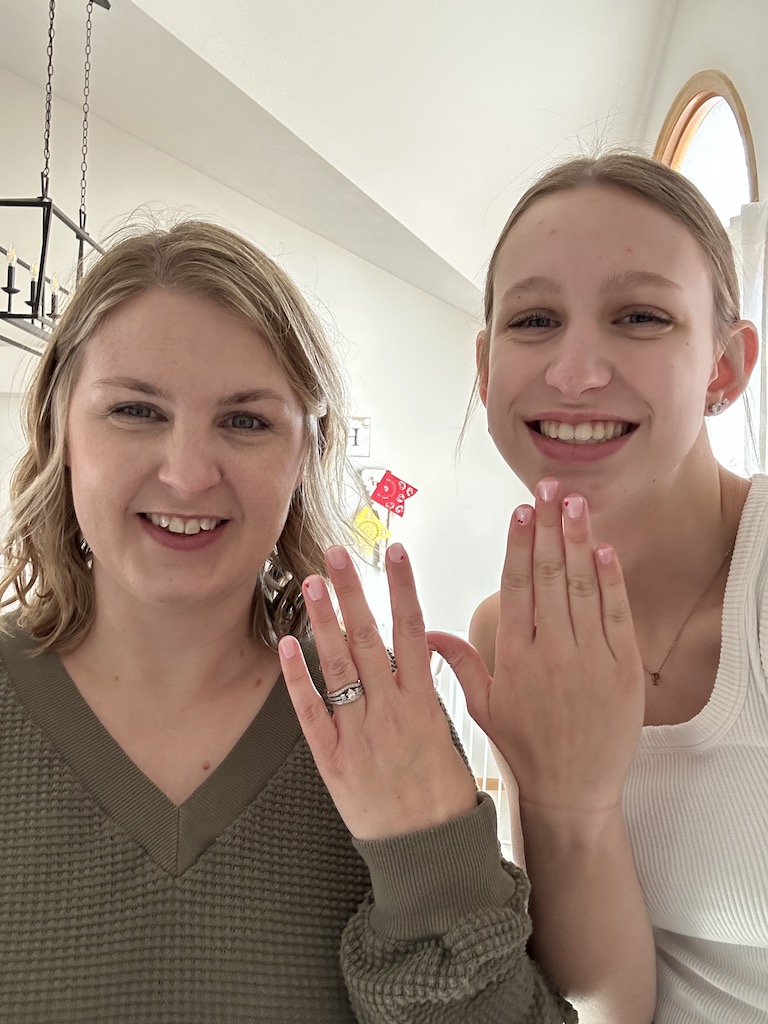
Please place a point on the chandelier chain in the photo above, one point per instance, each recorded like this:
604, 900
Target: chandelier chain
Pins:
86, 110
48, 100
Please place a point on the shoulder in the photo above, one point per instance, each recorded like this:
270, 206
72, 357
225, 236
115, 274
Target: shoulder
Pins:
482, 629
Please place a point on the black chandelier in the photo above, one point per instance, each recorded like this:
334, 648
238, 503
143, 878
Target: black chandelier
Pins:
35, 306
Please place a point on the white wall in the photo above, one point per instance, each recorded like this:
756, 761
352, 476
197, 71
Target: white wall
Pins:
728, 36
409, 356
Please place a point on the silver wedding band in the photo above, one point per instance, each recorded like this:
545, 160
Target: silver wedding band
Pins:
347, 694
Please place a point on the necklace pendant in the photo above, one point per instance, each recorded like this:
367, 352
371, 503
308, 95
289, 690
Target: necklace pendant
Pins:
655, 678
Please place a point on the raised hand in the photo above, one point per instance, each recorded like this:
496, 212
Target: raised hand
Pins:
566, 701
386, 756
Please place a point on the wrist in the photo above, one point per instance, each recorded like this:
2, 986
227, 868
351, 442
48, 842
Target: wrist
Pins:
570, 827
425, 883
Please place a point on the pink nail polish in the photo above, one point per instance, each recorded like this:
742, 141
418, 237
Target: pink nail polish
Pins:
574, 506
546, 490
605, 554
396, 552
523, 515
337, 558
314, 588
289, 646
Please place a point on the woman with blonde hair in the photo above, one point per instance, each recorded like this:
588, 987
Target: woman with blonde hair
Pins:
169, 850
640, 756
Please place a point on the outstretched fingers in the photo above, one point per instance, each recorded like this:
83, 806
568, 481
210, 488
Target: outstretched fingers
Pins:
316, 724
359, 652
550, 582
618, 627
582, 583
517, 612
408, 634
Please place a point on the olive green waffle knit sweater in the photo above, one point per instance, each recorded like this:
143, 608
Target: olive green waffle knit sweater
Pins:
247, 903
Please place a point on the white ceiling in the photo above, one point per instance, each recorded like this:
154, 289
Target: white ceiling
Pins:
402, 131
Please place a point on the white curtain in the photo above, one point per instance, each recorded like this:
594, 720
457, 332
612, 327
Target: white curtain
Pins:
739, 435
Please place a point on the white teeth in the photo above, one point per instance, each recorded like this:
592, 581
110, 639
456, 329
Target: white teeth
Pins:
174, 524
583, 433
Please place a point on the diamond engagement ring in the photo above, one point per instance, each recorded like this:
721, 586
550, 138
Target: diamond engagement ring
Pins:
347, 694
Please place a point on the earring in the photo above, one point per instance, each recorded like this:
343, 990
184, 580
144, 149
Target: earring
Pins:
717, 407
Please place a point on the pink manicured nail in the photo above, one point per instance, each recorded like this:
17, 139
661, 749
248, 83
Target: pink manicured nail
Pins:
605, 554
574, 506
337, 558
289, 646
396, 552
314, 587
523, 515
546, 490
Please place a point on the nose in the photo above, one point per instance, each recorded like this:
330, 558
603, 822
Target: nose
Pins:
190, 462
579, 363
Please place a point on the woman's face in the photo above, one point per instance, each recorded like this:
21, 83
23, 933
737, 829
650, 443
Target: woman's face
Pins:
185, 443
602, 346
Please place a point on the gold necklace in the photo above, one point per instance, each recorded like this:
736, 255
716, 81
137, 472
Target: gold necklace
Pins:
655, 676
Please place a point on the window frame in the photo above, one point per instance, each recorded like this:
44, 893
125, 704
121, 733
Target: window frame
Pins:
690, 107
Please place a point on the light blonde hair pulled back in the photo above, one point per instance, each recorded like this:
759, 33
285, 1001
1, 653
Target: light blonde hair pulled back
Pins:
657, 184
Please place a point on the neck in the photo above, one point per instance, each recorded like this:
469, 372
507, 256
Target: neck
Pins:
672, 539
177, 654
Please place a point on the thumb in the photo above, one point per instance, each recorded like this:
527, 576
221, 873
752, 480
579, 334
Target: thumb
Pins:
469, 669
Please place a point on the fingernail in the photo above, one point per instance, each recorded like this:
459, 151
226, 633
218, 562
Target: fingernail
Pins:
546, 490
523, 514
605, 553
337, 558
314, 587
396, 552
289, 646
574, 506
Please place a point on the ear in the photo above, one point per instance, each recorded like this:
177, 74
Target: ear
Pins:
734, 365
481, 361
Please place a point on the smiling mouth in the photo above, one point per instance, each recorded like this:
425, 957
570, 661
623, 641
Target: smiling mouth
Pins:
188, 525
589, 432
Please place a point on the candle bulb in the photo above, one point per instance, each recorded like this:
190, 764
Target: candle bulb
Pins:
33, 272
11, 269
54, 297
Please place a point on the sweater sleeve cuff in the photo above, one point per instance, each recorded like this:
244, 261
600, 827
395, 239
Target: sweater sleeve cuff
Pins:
424, 883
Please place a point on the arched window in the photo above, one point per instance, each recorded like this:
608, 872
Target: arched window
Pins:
706, 136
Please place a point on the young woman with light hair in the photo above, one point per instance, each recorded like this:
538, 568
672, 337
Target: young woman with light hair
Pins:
639, 756
168, 849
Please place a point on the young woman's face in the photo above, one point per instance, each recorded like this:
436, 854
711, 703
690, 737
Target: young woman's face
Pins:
185, 443
602, 345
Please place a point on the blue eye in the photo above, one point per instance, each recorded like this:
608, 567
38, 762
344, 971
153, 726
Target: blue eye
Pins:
533, 321
135, 410
247, 421
646, 316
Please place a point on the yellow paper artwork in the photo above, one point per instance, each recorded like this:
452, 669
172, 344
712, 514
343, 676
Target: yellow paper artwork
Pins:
371, 529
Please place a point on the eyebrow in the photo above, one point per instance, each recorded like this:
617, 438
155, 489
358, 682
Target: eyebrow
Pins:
638, 277
151, 391
532, 284
627, 279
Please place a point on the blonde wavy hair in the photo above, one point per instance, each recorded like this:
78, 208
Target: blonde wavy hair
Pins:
47, 565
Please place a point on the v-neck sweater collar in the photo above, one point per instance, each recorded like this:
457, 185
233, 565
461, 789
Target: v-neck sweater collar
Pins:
173, 836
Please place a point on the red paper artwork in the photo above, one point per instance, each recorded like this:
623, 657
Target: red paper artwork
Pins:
392, 492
